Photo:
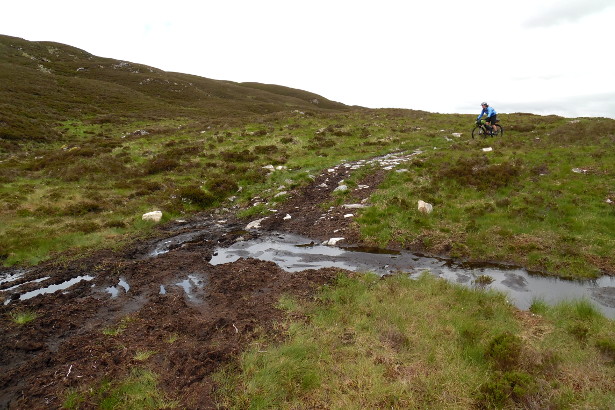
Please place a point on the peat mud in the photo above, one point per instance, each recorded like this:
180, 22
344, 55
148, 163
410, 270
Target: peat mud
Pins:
162, 296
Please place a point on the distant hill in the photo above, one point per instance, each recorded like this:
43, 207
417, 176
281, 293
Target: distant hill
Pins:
43, 83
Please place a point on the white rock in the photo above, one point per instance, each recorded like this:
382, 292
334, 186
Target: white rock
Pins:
279, 194
487, 149
155, 216
348, 215
269, 167
333, 241
255, 224
341, 188
287, 217
355, 206
425, 207
456, 134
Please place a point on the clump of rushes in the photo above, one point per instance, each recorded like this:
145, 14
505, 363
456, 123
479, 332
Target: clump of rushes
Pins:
483, 280
119, 329
144, 355
23, 317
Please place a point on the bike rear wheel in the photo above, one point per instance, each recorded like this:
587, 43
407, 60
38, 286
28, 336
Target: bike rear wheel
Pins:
478, 132
498, 130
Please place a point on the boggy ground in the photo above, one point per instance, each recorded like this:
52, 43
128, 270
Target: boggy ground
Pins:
188, 316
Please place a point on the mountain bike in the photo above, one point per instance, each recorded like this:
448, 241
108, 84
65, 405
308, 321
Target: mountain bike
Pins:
481, 130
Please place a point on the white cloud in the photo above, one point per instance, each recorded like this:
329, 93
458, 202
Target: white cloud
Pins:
568, 11
595, 105
444, 56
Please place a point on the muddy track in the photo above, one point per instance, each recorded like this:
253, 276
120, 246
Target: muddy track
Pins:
160, 296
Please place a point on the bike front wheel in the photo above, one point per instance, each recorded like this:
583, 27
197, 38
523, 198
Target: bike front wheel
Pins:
478, 132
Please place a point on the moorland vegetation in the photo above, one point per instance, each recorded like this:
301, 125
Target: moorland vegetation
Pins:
89, 144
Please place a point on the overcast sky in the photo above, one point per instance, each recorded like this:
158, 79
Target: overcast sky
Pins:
543, 57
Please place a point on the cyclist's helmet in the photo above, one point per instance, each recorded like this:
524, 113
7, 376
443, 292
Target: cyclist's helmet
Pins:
484, 103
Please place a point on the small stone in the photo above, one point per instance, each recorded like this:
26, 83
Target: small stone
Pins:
425, 207
154, 216
355, 206
255, 224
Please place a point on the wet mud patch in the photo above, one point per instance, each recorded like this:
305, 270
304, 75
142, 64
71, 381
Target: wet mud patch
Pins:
163, 296
85, 333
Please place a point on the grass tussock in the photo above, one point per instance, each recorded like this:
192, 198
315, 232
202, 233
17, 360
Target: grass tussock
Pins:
23, 317
137, 390
396, 342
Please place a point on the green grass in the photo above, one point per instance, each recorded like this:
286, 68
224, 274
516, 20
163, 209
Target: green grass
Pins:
143, 355
119, 328
77, 173
23, 317
402, 343
521, 203
89, 189
138, 390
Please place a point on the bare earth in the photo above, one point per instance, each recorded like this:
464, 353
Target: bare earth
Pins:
191, 317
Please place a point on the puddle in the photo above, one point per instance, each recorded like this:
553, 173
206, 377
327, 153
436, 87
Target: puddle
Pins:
193, 287
25, 283
171, 243
295, 253
12, 275
115, 290
52, 288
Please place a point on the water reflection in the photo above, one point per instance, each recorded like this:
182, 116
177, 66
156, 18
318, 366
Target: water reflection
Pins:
53, 288
295, 253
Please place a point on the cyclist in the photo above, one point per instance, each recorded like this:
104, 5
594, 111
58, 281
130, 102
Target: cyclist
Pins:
491, 116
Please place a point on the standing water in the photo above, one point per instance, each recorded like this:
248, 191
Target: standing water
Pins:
296, 253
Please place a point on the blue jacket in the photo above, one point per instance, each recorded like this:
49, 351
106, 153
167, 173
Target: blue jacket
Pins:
489, 111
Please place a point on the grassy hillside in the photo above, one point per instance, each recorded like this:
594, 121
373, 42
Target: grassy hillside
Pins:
43, 83
89, 144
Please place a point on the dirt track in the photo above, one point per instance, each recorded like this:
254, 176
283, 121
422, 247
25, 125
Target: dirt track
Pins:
194, 316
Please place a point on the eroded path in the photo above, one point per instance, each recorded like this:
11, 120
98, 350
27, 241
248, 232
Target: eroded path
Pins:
162, 300
163, 306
